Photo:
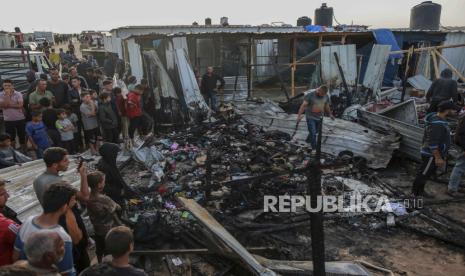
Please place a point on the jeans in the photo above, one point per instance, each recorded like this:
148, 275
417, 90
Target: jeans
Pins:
456, 175
313, 125
212, 100
427, 168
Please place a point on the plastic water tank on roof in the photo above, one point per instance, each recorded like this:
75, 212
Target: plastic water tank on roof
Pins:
324, 16
304, 21
425, 16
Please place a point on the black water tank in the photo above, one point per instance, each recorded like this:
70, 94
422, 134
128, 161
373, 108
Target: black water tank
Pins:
324, 16
425, 16
208, 21
304, 21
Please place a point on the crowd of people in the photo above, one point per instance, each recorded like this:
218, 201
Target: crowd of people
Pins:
59, 116
56, 241
61, 111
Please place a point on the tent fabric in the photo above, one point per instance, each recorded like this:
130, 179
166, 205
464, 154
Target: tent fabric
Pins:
315, 29
386, 37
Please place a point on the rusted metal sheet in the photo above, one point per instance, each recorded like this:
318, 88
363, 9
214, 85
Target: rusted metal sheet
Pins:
224, 236
347, 59
376, 66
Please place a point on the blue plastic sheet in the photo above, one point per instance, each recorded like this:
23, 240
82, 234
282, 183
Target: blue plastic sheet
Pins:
386, 37
315, 28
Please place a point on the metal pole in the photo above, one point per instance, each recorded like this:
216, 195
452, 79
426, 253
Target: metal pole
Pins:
294, 59
316, 218
341, 72
249, 69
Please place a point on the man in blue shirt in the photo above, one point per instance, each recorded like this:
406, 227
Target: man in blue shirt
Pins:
315, 105
436, 142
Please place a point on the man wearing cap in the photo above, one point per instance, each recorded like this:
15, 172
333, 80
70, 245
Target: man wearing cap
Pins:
436, 142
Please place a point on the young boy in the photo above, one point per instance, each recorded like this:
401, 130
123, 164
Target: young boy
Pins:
89, 120
75, 120
37, 133
107, 119
102, 211
121, 107
66, 129
134, 110
8, 156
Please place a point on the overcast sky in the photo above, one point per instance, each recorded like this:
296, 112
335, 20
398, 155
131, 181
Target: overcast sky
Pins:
75, 16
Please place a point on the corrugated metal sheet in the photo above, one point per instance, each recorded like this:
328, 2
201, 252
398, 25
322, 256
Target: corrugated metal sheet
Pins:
420, 82
456, 56
135, 59
347, 59
126, 32
195, 102
113, 44
411, 136
338, 135
405, 112
376, 66
265, 54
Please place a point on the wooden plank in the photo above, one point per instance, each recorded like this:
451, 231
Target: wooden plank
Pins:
224, 236
450, 65
435, 64
430, 48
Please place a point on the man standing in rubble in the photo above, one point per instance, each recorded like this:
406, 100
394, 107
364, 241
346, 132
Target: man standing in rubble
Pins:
436, 142
316, 103
442, 89
209, 87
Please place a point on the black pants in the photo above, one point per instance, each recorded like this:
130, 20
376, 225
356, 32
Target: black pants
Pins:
427, 168
16, 128
69, 146
55, 137
111, 135
134, 123
99, 247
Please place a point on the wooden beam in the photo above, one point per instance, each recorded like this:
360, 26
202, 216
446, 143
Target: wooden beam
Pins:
450, 65
430, 48
435, 64
294, 60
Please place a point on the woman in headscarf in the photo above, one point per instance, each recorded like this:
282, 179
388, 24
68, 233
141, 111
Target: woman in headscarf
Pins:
115, 186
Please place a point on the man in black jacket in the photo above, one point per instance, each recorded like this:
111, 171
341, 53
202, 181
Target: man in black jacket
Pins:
436, 143
459, 168
209, 87
442, 89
